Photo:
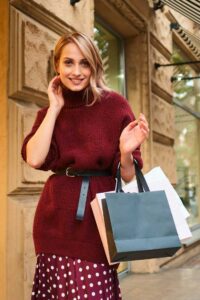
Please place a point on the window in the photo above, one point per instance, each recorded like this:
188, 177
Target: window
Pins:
187, 141
111, 49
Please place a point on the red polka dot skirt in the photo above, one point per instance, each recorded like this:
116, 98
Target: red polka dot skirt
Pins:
64, 278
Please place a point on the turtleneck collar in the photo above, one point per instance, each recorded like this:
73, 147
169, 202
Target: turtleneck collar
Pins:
74, 99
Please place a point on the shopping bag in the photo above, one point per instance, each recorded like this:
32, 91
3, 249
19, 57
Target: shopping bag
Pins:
96, 205
139, 225
157, 180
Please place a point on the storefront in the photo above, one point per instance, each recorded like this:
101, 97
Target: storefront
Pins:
186, 98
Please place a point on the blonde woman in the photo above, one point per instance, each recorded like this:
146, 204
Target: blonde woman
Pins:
81, 136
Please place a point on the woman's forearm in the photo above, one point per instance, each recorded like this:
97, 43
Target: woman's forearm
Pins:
38, 146
132, 136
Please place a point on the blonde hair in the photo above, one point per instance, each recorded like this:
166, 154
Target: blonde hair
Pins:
91, 53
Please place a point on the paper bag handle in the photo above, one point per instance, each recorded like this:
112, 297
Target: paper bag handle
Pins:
141, 181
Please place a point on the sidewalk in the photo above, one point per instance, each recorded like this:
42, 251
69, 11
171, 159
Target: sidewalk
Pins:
182, 283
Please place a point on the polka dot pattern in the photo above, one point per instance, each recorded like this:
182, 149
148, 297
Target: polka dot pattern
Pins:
64, 278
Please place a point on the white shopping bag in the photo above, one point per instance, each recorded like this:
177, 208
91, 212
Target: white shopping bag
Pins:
157, 180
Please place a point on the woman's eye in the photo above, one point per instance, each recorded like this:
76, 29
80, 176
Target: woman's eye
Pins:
68, 62
85, 63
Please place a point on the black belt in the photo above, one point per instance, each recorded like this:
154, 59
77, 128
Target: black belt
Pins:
84, 186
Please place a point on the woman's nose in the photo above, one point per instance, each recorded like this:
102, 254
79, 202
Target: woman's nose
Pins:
76, 69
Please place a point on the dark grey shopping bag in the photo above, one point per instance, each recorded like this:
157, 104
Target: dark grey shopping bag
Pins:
139, 225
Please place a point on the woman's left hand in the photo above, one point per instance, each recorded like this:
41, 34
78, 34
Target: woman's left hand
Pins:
133, 135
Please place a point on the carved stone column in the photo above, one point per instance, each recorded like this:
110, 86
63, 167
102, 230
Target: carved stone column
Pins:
4, 50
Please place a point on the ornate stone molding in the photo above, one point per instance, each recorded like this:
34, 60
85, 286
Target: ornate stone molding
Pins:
22, 179
125, 9
42, 15
183, 38
188, 41
187, 49
30, 49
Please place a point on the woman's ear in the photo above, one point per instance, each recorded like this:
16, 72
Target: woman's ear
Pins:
57, 71
56, 67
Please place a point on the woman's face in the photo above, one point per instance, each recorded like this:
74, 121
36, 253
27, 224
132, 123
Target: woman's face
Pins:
74, 68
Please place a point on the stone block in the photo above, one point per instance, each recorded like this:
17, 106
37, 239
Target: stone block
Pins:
164, 156
161, 76
22, 178
163, 118
21, 256
160, 28
80, 16
29, 252
138, 84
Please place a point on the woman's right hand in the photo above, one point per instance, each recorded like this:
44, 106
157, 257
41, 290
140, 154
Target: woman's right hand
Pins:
56, 100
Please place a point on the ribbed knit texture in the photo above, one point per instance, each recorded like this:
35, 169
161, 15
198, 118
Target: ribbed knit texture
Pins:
84, 137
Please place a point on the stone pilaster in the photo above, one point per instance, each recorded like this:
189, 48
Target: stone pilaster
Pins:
4, 32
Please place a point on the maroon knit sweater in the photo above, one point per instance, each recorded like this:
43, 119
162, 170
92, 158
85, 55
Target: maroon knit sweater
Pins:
84, 137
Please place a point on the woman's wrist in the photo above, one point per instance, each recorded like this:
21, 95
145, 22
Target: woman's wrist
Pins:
53, 112
127, 166
126, 160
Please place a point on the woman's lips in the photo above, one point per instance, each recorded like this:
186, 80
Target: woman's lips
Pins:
76, 81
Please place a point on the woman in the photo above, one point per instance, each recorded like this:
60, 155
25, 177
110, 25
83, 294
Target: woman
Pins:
81, 136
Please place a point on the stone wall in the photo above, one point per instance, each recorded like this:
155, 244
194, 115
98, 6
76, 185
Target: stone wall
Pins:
34, 28
163, 122
161, 111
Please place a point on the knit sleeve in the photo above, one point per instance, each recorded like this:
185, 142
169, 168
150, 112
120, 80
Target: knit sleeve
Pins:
53, 154
127, 117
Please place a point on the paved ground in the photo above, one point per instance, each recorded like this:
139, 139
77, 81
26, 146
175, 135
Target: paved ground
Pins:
182, 283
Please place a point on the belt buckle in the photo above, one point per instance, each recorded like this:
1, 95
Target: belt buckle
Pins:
67, 172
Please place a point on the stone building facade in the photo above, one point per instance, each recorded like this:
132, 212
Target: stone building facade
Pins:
29, 29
